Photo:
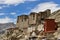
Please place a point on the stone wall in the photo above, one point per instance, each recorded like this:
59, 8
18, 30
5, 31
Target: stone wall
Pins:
32, 18
22, 21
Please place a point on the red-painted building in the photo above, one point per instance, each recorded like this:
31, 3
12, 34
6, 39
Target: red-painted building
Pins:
50, 25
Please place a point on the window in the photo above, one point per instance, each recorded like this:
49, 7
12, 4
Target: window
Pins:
42, 18
18, 20
33, 17
22, 20
25, 19
55, 28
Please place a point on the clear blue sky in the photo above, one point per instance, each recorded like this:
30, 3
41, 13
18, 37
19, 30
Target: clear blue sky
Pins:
10, 9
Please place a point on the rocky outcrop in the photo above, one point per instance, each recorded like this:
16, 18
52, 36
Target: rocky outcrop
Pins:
33, 31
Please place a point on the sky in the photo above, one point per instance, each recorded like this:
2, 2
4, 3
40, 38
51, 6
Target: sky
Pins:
10, 9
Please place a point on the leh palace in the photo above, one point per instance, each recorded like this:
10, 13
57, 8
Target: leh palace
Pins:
35, 26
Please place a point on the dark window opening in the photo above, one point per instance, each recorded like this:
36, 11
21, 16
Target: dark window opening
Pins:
33, 17
55, 28
25, 19
18, 20
42, 18
22, 20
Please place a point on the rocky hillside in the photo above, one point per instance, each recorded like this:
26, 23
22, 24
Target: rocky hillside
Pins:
6, 26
